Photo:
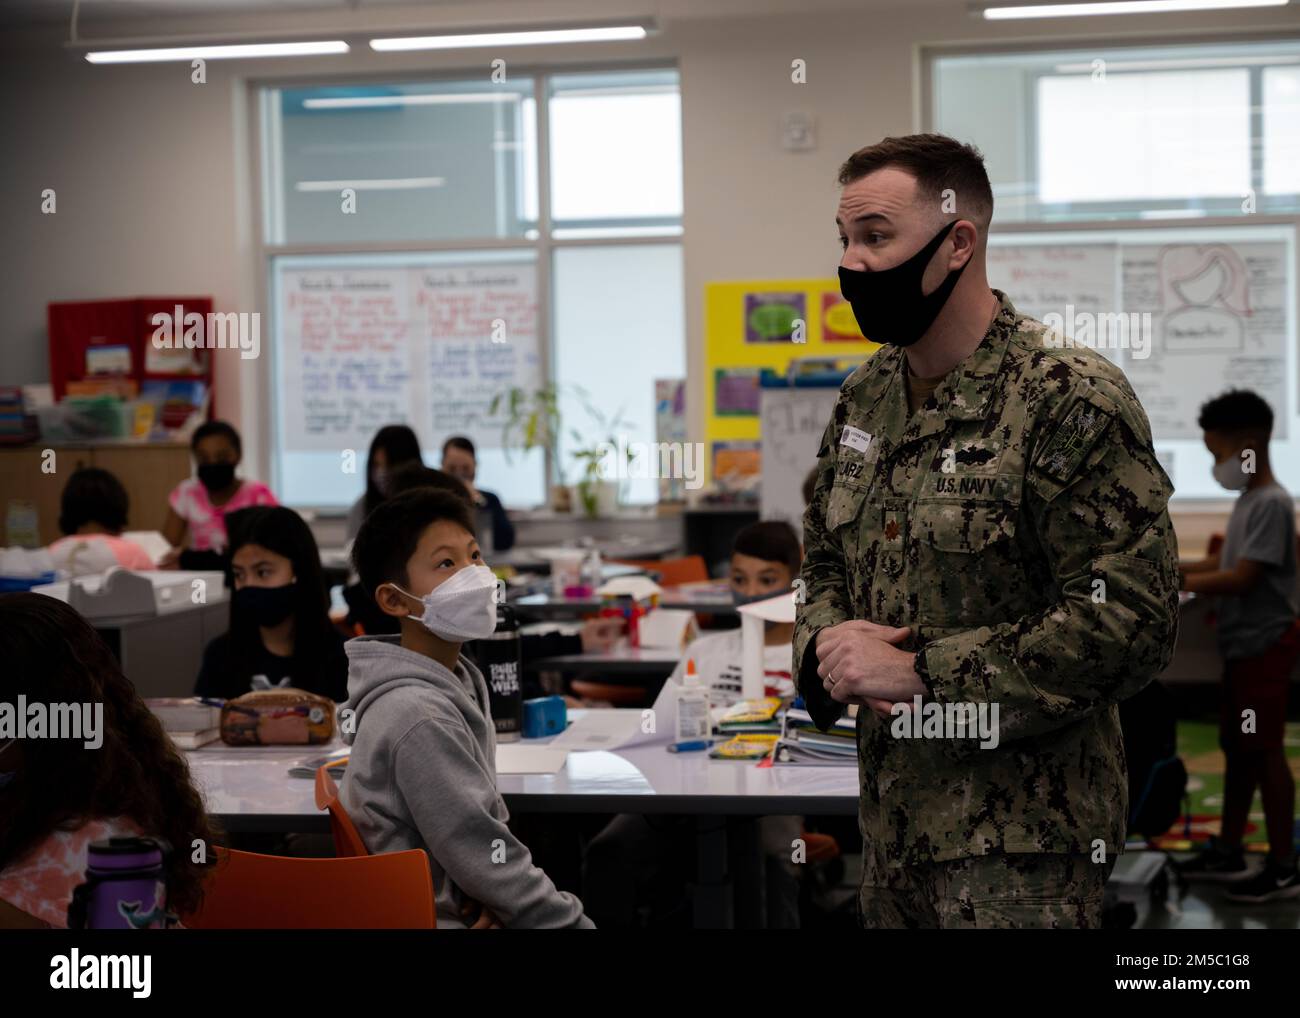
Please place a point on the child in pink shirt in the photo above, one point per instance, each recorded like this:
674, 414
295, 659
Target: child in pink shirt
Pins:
199, 504
92, 514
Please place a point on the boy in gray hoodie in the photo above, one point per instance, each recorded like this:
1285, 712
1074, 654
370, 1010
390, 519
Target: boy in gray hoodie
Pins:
422, 771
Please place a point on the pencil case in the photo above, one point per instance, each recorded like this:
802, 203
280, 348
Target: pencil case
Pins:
277, 717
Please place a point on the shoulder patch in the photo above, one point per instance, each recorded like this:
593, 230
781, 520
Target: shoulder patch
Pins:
1073, 438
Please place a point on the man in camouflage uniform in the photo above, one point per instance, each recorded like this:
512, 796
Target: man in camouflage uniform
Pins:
988, 528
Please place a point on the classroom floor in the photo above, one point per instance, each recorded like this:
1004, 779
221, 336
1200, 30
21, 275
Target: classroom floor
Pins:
1198, 747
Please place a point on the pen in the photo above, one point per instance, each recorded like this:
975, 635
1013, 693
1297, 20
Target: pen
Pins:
690, 747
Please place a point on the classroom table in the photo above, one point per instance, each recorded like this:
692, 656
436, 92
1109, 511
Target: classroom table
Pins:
248, 789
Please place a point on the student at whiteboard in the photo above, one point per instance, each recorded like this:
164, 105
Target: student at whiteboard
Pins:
393, 446
459, 461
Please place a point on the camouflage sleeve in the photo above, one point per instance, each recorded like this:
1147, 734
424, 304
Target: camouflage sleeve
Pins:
1096, 499
826, 600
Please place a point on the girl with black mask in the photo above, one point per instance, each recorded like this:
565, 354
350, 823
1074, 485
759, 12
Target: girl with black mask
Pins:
393, 447
280, 632
200, 504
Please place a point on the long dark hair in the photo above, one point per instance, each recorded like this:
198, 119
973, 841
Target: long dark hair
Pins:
52, 655
283, 531
400, 446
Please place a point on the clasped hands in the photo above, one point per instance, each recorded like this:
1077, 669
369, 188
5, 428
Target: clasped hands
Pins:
860, 662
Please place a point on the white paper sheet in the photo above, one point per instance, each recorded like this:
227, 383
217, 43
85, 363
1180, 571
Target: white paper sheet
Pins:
608, 730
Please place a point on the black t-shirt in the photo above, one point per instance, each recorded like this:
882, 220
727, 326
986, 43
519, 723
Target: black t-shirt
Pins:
219, 676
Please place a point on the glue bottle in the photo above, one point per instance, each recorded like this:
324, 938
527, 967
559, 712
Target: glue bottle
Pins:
693, 721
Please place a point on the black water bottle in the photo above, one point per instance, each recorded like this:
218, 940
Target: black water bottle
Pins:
501, 660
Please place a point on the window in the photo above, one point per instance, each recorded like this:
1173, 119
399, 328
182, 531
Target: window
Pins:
446, 161
1129, 133
405, 232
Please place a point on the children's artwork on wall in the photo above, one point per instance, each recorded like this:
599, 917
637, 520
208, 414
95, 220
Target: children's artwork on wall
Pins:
735, 392
757, 325
773, 316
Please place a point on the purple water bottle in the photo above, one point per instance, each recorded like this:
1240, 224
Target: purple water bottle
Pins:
124, 887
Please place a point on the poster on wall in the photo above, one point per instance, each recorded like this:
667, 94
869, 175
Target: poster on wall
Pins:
1218, 321
750, 327
670, 429
427, 345
735, 392
737, 464
772, 317
838, 323
347, 359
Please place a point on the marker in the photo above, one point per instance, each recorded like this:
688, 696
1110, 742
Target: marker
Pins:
690, 747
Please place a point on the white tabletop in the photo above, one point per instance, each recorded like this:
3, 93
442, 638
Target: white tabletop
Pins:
249, 788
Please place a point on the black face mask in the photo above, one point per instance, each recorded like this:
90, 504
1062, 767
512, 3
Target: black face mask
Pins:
267, 606
216, 476
889, 304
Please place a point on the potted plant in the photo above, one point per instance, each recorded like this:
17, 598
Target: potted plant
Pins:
597, 494
532, 421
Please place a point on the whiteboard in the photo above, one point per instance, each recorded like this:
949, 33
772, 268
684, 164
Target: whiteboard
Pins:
1217, 308
423, 340
793, 421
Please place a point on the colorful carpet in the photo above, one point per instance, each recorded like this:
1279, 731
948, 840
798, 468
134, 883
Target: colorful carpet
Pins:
1198, 746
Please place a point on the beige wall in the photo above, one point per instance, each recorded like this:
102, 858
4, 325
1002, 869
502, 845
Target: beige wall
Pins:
154, 174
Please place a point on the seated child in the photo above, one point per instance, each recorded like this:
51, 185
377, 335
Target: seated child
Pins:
630, 863
765, 559
199, 504
422, 772
59, 795
1254, 577
596, 635
280, 631
393, 447
92, 516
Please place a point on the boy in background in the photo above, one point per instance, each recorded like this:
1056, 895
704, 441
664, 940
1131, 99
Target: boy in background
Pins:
765, 560
1254, 577
635, 869
422, 772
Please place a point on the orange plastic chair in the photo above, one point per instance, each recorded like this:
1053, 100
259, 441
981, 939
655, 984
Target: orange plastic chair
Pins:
672, 571
820, 847
248, 891
347, 842
619, 696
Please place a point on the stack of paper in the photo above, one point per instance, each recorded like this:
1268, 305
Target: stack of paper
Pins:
191, 722
802, 743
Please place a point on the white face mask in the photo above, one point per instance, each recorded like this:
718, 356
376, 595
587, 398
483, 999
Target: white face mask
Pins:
1230, 473
461, 608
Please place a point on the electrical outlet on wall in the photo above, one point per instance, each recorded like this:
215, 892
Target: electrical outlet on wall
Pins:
798, 132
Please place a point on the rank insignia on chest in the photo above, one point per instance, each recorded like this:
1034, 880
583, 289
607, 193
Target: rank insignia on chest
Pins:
1073, 439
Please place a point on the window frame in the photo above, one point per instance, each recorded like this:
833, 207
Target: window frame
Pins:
1168, 210
635, 231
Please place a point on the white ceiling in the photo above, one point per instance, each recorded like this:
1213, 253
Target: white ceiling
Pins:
44, 12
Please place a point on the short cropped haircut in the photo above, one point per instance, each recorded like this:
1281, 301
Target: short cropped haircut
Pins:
93, 495
939, 164
410, 476
459, 442
1236, 410
771, 541
389, 535
210, 428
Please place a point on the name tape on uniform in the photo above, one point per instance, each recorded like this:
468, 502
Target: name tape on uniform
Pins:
855, 439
